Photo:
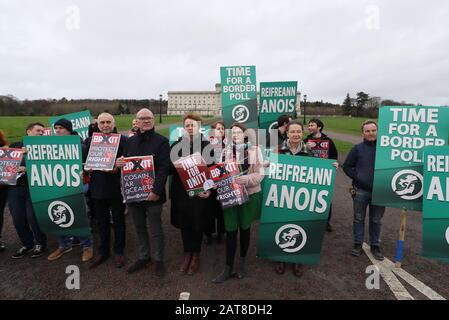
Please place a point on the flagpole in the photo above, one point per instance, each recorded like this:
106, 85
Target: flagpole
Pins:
400, 243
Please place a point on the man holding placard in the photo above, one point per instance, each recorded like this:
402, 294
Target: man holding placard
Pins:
104, 186
147, 142
24, 217
64, 127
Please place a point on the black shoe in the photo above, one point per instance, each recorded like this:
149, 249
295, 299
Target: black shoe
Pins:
97, 261
375, 250
23, 251
357, 251
76, 242
329, 228
159, 269
38, 251
225, 275
2, 247
139, 264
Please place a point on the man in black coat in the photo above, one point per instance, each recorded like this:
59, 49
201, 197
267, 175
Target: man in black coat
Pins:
148, 142
104, 188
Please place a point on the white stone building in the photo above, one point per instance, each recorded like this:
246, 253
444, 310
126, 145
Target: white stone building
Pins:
205, 103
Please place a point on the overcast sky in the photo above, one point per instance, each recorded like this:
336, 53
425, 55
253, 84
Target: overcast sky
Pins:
140, 49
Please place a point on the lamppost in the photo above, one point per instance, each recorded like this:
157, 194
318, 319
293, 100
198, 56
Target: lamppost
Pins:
305, 101
160, 108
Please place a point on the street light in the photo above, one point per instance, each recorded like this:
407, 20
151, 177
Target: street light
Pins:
160, 108
305, 101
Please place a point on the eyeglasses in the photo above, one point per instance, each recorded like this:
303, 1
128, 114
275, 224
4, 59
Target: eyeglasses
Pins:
145, 118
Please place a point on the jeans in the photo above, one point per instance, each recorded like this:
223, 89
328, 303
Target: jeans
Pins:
151, 213
24, 218
361, 201
3, 200
103, 209
65, 242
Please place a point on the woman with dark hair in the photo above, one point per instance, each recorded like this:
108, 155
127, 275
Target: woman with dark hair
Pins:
240, 217
3, 194
186, 213
216, 222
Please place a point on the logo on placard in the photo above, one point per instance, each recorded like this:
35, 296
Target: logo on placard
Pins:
447, 235
240, 113
407, 184
291, 238
61, 214
272, 125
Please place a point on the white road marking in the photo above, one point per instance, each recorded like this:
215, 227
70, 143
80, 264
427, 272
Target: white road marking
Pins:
396, 287
389, 270
184, 296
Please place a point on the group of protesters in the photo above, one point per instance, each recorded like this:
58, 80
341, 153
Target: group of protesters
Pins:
198, 218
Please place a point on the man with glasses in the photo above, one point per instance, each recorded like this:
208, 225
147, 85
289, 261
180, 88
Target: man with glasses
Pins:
148, 142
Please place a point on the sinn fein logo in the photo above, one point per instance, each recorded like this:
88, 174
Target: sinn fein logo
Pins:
408, 184
61, 214
447, 235
240, 113
271, 127
291, 238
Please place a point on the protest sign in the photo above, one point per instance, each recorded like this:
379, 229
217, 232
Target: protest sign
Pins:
297, 195
239, 95
194, 174
102, 152
10, 160
54, 171
138, 176
229, 194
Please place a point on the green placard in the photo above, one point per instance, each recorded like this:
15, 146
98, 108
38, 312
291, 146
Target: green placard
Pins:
436, 203
80, 121
53, 165
276, 99
403, 133
297, 194
239, 95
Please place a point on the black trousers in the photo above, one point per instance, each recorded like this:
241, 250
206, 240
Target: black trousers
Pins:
231, 245
103, 209
191, 240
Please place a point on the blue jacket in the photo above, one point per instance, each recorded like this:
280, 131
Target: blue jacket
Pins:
359, 165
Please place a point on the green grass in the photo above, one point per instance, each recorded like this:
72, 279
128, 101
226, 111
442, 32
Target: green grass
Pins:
14, 127
342, 124
343, 146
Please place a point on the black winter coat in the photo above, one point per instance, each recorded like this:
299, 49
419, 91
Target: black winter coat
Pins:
187, 213
151, 143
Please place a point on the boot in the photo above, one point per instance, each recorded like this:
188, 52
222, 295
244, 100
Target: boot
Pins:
241, 270
194, 263
225, 275
185, 264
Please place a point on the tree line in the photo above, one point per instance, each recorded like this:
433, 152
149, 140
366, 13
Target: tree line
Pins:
11, 106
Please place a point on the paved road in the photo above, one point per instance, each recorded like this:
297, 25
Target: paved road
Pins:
344, 137
338, 276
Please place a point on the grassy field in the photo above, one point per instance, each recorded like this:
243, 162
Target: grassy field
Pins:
343, 146
342, 124
14, 127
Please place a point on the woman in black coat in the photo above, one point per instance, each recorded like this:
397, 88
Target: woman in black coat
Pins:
189, 214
